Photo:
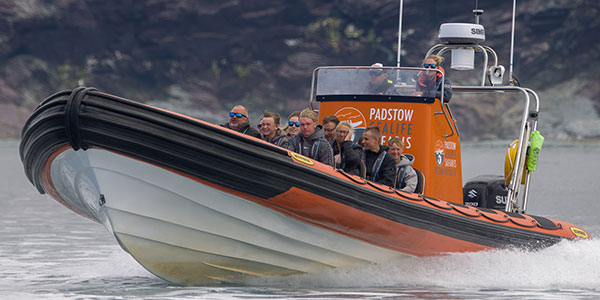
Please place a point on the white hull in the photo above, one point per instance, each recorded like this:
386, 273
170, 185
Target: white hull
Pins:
188, 232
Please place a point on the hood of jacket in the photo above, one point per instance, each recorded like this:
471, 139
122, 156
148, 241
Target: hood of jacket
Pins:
405, 160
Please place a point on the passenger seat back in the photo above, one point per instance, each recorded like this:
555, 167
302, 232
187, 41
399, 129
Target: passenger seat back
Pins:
420, 188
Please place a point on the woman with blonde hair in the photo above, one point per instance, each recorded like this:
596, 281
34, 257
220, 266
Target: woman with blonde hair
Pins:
429, 84
293, 124
346, 155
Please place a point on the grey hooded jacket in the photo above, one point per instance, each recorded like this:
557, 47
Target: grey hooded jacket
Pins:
406, 177
280, 139
315, 146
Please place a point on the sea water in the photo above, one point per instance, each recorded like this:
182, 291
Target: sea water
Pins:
49, 252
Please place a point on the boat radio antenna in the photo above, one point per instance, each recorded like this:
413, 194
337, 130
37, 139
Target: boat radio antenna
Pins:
399, 34
477, 12
512, 46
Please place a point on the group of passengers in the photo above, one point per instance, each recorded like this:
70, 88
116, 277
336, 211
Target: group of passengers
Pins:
332, 143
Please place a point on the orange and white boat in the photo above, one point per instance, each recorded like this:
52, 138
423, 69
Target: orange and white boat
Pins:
196, 203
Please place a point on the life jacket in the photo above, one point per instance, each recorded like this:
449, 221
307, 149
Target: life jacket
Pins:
424, 82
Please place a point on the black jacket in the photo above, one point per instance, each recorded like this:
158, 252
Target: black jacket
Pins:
385, 88
351, 155
245, 129
380, 167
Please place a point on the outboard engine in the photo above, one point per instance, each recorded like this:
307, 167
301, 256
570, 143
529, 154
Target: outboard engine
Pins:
488, 191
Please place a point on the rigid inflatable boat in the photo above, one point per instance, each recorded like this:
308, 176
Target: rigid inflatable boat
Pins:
196, 203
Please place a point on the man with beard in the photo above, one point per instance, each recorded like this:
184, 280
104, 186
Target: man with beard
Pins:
379, 84
238, 121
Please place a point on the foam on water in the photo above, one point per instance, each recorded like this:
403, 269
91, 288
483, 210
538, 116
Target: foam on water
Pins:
566, 265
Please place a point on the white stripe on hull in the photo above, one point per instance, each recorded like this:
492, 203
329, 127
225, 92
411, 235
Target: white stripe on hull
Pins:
169, 222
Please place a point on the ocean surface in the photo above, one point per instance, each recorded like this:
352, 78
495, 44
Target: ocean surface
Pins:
48, 252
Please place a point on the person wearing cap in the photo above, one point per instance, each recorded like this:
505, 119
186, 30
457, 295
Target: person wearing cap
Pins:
379, 84
238, 121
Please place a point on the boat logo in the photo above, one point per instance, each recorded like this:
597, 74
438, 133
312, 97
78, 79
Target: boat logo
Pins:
439, 152
472, 194
301, 158
353, 116
580, 233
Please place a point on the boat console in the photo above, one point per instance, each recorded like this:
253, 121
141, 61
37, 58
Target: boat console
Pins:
423, 123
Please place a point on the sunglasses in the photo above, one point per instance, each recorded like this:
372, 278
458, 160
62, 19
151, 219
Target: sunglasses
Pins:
297, 124
431, 66
237, 115
375, 73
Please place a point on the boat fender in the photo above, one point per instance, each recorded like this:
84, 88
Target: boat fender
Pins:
72, 109
509, 162
535, 146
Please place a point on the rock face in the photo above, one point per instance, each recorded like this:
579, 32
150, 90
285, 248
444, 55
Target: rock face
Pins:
202, 57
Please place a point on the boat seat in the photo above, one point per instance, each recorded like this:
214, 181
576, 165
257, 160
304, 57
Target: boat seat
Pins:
363, 170
420, 188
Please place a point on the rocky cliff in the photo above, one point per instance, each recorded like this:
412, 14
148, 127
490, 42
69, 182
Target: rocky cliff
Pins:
201, 57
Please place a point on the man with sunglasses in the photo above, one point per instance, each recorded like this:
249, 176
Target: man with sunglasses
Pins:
310, 141
238, 121
379, 84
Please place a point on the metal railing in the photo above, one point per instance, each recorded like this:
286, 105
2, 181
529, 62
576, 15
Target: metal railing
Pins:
442, 48
528, 124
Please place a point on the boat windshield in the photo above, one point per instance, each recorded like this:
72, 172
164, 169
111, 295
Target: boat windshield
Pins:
389, 81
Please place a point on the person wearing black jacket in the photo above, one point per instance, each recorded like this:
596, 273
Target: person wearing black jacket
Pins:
380, 166
238, 121
346, 155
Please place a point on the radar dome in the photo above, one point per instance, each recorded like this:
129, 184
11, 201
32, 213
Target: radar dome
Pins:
461, 33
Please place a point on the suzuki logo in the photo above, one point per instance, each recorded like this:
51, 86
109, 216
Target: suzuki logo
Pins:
472, 194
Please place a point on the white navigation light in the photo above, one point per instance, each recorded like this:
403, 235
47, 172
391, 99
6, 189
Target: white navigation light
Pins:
462, 34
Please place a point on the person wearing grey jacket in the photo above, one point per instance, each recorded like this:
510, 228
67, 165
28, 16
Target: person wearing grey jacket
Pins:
406, 177
310, 141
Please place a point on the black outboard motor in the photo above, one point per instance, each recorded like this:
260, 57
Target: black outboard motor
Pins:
488, 191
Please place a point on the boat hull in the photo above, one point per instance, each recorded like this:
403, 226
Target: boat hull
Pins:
188, 232
194, 202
